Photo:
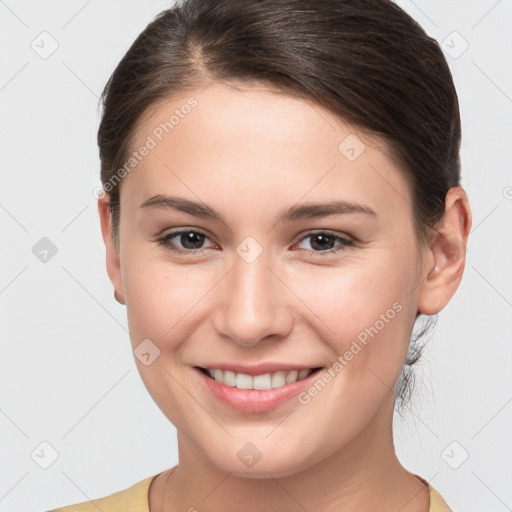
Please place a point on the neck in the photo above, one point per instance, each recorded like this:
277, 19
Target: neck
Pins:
363, 474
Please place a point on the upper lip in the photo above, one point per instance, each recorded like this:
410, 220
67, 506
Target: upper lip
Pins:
258, 369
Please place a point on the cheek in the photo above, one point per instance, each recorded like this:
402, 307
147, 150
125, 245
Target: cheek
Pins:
364, 311
367, 312
160, 295
160, 299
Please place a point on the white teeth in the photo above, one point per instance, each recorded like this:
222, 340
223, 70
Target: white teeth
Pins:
302, 374
243, 381
292, 376
278, 379
261, 382
229, 378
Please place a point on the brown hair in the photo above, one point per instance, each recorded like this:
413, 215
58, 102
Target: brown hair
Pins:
367, 61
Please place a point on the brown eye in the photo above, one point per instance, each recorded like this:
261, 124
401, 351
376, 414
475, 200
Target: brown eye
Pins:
183, 241
321, 242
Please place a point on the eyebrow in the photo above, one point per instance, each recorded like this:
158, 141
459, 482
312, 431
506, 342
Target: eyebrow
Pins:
294, 213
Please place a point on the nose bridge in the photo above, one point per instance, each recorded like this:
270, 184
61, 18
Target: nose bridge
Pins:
252, 305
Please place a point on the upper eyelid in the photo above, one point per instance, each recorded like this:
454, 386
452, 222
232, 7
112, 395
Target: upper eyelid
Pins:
325, 232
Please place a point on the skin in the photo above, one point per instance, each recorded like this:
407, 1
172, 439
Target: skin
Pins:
291, 304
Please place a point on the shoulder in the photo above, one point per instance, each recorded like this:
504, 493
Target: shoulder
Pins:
133, 499
437, 503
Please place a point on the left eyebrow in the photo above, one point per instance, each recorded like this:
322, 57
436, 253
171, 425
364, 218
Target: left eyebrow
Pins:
314, 210
295, 213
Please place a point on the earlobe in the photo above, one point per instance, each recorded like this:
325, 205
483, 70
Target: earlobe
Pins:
446, 254
119, 297
113, 262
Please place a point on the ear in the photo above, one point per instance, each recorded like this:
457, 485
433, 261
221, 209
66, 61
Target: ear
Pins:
112, 253
445, 257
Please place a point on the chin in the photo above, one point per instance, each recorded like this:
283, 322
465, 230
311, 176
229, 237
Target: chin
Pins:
249, 462
272, 469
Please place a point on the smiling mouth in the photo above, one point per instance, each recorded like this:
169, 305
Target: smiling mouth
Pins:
261, 382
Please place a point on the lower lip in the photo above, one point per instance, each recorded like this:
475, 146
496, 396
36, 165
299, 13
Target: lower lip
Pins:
255, 400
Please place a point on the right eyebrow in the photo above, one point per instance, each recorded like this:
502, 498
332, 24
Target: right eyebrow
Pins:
182, 205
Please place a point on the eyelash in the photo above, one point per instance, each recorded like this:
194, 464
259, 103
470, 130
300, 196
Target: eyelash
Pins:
345, 243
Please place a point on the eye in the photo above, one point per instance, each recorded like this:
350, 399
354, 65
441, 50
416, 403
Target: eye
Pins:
324, 243
190, 240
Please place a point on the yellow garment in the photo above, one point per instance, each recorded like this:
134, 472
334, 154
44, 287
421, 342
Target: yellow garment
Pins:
135, 499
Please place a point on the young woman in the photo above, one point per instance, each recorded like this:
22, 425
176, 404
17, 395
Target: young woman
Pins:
281, 201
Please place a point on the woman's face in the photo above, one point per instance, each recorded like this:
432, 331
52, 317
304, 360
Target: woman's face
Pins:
266, 282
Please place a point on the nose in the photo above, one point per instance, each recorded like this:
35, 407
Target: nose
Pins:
252, 303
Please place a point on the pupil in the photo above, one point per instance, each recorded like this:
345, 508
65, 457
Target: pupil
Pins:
187, 240
322, 246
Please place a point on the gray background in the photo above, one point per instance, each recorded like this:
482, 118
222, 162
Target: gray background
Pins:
67, 373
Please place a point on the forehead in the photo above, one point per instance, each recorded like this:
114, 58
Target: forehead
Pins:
251, 141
